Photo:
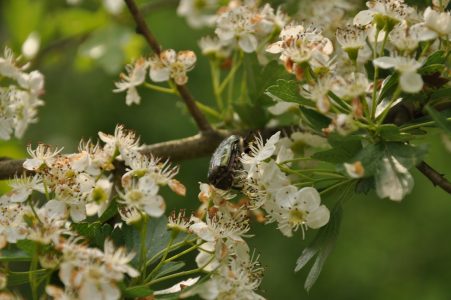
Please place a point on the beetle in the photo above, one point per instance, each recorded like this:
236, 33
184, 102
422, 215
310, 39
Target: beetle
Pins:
224, 162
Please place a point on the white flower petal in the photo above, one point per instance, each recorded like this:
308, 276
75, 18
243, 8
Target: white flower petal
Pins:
411, 82
248, 43
385, 62
364, 17
319, 217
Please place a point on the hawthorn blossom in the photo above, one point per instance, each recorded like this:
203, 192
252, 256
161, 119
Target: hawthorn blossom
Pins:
123, 142
198, 13
436, 24
259, 152
22, 187
237, 25
352, 39
383, 13
300, 208
351, 85
136, 75
20, 99
171, 64
42, 156
143, 196
409, 80
404, 38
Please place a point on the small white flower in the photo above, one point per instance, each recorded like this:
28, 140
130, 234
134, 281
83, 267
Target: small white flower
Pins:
23, 187
259, 151
123, 142
144, 197
43, 155
136, 74
383, 12
436, 24
410, 81
198, 13
31, 45
351, 85
213, 46
302, 209
351, 37
404, 38
392, 179
236, 25
171, 64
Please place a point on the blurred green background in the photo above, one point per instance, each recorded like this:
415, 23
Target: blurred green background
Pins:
385, 250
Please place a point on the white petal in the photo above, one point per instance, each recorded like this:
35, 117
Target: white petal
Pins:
319, 217
19, 195
363, 18
32, 164
411, 82
56, 209
308, 198
156, 207
77, 212
385, 62
159, 74
187, 58
282, 107
248, 43
132, 96
168, 57
203, 231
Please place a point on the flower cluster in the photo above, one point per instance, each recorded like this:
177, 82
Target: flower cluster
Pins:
47, 207
19, 98
168, 65
243, 26
220, 228
269, 188
89, 273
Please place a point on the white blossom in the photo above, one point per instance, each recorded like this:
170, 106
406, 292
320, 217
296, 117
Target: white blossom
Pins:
136, 75
171, 64
409, 80
436, 24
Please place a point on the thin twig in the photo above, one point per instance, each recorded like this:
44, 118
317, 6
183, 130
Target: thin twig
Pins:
435, 177
143, 29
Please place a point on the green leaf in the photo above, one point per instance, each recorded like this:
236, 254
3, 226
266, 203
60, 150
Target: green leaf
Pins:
364, 185
157, 237
315, 120
438, 57
27, 246
136, 291
76, 21
344, 106
370, 156
321, 247
430, 69
391, 133
343, 149
19, 278
439, 119
287, 90
389, 86
255, 116
170, 267
110, 212
408, 155
10, 255
441, 93
95, 232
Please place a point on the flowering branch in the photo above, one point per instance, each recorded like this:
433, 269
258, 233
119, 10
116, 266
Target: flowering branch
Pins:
144, 30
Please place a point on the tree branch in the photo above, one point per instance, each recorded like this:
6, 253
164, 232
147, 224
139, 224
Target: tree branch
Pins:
144, 30
435, 177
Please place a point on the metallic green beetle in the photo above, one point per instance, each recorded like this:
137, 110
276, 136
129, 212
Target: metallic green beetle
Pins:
224, 162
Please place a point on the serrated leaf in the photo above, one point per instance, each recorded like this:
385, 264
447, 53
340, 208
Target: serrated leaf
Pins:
287, 90
95, 232
316, 120
157, 237
370, 156
19, 278
321, 246
439, 119
343, 149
